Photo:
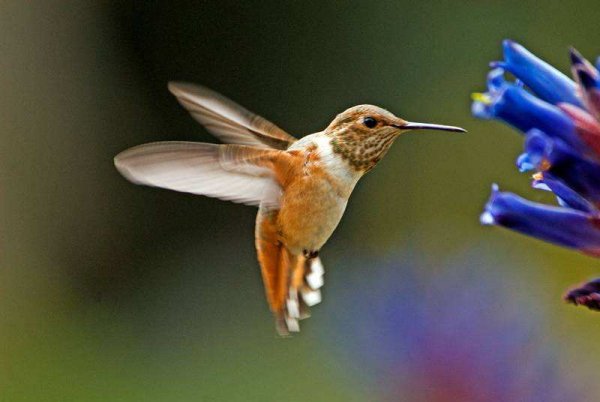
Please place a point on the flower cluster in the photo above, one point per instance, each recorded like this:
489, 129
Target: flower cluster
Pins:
459, 335
560, 119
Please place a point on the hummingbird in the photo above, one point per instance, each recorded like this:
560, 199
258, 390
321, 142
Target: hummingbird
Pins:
300, 186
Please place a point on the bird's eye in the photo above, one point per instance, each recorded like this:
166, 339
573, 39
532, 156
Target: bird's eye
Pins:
369, 122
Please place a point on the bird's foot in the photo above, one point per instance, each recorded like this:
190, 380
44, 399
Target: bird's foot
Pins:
310, 254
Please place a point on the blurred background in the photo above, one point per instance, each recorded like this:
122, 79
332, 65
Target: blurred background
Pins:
111, 291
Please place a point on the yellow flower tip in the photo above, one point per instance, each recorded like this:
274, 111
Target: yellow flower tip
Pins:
481, 97
538, 176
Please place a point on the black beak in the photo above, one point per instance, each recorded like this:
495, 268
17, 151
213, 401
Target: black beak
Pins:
427, 126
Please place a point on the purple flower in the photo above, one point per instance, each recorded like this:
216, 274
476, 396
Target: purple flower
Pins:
586, 294
560, 119
458, 335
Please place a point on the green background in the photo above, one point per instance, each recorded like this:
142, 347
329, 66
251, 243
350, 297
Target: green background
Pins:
110, 291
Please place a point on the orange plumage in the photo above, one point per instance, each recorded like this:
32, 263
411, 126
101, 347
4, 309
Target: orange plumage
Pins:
300, 186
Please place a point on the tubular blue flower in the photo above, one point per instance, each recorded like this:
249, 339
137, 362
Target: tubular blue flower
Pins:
514, 105
563, 226
561, 119
566, 196
544, 80
458, 335
551, 156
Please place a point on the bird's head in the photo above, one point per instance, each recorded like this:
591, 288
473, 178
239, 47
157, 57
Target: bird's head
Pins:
363, 134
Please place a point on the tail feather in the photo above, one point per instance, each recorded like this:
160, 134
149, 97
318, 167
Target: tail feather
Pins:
304, 310
292, 282
303, 292
314, 273
311, 297
313, 281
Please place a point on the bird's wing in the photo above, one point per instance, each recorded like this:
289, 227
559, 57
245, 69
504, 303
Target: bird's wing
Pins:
227, 120
235, 173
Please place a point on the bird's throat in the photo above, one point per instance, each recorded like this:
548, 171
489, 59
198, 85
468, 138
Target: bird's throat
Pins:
362, 154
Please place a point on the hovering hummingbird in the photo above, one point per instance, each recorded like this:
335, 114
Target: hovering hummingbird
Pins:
301, 186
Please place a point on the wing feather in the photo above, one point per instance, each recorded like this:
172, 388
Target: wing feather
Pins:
235, 173
227, 120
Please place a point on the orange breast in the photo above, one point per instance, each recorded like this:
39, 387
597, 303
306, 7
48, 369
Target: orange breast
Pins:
312, 203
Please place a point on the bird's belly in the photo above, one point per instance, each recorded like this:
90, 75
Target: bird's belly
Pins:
310, 211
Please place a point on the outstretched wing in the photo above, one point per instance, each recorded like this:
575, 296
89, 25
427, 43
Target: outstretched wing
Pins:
235, 173
227, 120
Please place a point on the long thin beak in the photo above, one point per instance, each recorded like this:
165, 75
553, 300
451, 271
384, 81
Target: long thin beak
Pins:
427, 126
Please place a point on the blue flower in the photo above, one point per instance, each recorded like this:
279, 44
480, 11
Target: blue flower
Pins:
559, 225
458, 335
544, 80
512, 104
555, 159
560, 118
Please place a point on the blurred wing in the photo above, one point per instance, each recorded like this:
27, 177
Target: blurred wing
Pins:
230, 172
227, 120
